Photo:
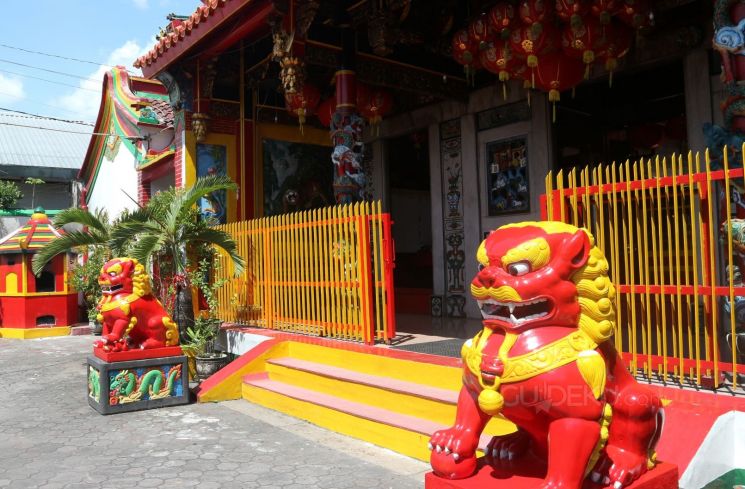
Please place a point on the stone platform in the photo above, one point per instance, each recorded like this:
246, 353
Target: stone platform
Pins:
530, 475
134, 385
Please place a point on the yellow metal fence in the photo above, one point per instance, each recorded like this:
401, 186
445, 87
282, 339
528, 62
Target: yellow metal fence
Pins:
325, 272
673, 242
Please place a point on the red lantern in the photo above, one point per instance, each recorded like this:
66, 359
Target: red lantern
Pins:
558, 72
326, 110
635, 13
535, 11
586, 42
478, 31
303, 103
498, 59
526, 43
604, 10
378, 104
502, 19
572, 11
617, 44
465, 51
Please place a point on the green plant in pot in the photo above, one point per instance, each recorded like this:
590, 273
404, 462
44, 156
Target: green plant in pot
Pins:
202, 333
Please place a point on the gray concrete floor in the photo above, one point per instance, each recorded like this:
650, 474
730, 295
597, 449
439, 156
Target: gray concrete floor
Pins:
51, 438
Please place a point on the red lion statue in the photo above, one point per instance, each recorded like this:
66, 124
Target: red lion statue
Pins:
544, 362
131, 315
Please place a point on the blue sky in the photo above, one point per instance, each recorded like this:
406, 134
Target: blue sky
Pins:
103, 31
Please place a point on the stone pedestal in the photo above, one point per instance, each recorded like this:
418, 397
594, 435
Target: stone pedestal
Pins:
134, 385
528, 476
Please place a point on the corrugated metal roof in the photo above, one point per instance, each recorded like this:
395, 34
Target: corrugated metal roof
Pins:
50, 147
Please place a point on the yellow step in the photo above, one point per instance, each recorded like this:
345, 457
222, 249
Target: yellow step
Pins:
409, 398
404, 434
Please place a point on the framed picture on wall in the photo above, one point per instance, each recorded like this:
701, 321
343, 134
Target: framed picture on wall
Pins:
507, 184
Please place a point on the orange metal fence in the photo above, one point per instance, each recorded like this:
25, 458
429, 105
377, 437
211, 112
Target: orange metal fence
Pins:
673, 243
326, 272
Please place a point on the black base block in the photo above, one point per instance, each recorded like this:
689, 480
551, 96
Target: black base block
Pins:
134, 385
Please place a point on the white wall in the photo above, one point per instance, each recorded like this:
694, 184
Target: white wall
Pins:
114, 179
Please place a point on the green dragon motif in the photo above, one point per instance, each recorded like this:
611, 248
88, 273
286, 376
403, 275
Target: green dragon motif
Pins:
126, 387
93, 385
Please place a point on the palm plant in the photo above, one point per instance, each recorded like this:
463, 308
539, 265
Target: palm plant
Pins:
170, 233
96, 232
95, 235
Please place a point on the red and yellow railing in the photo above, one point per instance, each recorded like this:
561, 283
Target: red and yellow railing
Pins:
668, 233
326, 272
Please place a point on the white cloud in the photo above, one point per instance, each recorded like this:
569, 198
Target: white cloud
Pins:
86, 103
141, 4
11, 89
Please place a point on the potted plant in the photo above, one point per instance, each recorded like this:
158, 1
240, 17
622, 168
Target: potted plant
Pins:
202, 333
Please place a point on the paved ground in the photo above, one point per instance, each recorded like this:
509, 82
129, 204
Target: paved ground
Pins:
51, 438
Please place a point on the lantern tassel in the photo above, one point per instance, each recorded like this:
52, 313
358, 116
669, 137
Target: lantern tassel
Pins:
504, 91
554, 114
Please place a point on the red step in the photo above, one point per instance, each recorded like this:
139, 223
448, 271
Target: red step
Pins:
394, 385
364, 411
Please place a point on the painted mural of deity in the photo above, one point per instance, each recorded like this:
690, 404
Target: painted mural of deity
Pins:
212, 161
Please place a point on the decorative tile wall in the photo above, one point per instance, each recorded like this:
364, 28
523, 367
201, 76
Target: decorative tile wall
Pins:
452, 191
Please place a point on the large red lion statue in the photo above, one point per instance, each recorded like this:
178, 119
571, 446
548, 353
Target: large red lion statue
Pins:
132, 317
544, 361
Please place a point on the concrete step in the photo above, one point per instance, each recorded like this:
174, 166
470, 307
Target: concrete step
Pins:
390, 429
409, 398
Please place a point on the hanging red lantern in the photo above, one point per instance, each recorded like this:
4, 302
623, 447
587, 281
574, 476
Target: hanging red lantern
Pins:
556, 73
465, 52
635, 13
378, 105
535, 11
617, 44
604, 10
303, 103
585, 42
502, 19
572, 11
531, 45
326, 110
498, 59
479, 32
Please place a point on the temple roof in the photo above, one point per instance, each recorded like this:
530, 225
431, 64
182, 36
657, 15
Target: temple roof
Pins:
179, 29
36, 233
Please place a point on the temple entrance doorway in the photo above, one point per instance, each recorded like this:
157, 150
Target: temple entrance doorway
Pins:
643, 114
411, 211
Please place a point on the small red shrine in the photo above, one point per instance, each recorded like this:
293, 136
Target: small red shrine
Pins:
31, 306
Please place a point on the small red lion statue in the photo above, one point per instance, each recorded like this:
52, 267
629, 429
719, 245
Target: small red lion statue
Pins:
132, 317
544, 361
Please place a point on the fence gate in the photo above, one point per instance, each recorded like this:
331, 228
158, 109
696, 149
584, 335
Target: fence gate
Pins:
675, 239
325, 272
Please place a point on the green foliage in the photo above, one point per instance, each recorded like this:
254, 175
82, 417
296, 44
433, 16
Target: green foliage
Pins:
202, 333
169, 229
96, 237
85, 279
9, 194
